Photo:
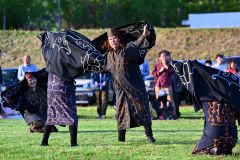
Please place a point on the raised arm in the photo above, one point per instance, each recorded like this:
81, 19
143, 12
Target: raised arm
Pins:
141, 39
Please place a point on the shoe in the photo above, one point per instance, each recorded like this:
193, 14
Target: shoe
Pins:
103, 117
214, 151
151, 139
74, 145
30, 130
121, 140
44, 144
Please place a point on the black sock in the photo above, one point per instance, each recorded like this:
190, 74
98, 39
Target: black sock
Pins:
148, 130
121, 135
73, 135
46, 134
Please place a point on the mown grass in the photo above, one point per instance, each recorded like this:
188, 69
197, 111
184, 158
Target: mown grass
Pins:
97, 139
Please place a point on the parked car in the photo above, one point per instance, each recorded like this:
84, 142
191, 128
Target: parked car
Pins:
85, 89
149, 83
9, 76
236, 58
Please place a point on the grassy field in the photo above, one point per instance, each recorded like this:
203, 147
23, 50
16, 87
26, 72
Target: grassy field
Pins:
97, 139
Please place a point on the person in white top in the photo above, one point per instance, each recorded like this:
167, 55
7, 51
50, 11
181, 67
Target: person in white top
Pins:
219, 63
26, 67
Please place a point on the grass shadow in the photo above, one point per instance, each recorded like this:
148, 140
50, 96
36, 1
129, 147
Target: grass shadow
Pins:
134, 131
191, 117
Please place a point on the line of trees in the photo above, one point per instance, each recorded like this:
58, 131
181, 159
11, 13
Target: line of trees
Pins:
75, 14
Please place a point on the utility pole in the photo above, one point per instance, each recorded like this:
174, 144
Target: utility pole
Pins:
4, 20
59, 18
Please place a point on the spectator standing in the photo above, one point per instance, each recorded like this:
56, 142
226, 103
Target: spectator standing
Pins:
26, 67
163, 72
101, 81
219, 63
144, 68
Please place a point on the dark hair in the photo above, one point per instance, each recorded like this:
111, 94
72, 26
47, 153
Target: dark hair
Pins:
106, 44
113, 32
208, 61
166, 52
219, 55
229, 63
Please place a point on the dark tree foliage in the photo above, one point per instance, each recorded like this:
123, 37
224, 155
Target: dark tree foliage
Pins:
42, 14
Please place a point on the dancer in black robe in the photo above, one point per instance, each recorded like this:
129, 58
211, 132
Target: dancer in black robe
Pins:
29, 97
217, 94
122, 61
68, 55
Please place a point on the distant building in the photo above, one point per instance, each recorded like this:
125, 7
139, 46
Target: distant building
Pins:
213, 20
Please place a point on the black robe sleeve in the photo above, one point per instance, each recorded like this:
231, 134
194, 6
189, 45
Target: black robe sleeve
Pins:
69, 54
208, 84
131, 34
14, 94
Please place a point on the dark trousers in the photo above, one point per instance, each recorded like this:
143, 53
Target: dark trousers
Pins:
155, 104
102, 102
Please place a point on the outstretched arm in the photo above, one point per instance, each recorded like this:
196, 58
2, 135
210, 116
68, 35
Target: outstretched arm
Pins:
141, 39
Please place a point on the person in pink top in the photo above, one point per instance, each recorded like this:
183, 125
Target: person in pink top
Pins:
162, 73
232, 67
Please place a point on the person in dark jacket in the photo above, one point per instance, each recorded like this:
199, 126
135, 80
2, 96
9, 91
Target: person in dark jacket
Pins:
101, 81
123, 61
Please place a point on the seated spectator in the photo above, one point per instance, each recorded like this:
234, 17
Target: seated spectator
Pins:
144, 68
232, 67
26, 67
208, 62
219, 63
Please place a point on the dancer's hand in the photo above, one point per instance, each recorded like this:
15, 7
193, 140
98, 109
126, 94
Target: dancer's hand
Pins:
145, 30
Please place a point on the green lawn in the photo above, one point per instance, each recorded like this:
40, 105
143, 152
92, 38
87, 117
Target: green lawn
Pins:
97, 139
